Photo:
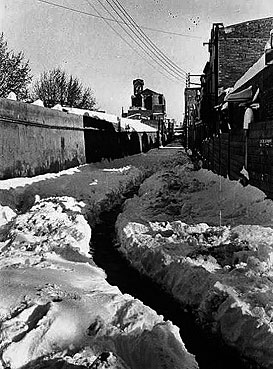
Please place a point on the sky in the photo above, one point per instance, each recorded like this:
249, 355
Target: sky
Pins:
106, 58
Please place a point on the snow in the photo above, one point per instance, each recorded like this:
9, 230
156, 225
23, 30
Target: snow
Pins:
208, 242
120, 170
38, 103
136, 125
24, 181
12, 96
125, 123
250, 73
56, 306
58, 107
6, 214
94, 183
205, 239
63, 300
94, 114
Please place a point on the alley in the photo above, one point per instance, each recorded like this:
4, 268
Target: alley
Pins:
45, 245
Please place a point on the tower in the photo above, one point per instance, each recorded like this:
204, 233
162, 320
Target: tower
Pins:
138, 86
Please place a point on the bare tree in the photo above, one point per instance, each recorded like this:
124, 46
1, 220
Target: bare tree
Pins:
14, 72
57, 87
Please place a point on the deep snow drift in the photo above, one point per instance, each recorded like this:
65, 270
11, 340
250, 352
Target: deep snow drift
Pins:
203, 239
56, 307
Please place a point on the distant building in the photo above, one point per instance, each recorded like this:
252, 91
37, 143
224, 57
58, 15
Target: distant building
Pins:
192, 112
192, 100
147, 105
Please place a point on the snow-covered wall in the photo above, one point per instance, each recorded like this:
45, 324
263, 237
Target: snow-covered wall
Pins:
36, 140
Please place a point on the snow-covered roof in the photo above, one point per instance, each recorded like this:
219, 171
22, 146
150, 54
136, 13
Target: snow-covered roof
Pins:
250, 73
126, 123
94, 114
136, 125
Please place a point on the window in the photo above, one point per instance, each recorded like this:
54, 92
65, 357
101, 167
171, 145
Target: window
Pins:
148, 102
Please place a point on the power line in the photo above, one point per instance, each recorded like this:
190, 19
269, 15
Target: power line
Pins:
156, 52
151, 53
128, 44
143, 45
173, 65
140, 46
107, 20
113, 20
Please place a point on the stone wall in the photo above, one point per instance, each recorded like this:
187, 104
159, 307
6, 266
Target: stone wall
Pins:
240, 46
36, 140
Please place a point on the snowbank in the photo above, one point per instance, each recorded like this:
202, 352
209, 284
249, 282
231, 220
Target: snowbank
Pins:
6, 214
222, 273
56, 307
56, 303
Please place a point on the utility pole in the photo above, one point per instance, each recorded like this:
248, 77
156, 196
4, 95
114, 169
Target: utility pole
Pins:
215, 42
188, 81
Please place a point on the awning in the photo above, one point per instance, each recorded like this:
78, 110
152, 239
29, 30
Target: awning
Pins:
250, 73
224, 106
242, 96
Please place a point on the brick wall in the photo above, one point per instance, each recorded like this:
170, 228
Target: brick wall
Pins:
240, 46
264, 81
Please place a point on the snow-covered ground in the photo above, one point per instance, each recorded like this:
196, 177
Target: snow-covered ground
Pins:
207, 241
56, 307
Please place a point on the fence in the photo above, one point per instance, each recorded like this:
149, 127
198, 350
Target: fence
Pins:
228, 153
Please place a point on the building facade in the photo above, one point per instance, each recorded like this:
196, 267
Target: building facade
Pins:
232, 51
146, 105
240, 46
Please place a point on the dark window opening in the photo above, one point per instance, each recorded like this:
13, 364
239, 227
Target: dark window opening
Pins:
148, 103
62, 143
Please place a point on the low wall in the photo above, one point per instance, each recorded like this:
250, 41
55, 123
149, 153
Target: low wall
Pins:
36, 140
103, 144
148, 140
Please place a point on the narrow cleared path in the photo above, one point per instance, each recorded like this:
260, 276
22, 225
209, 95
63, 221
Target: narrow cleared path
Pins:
209, 352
